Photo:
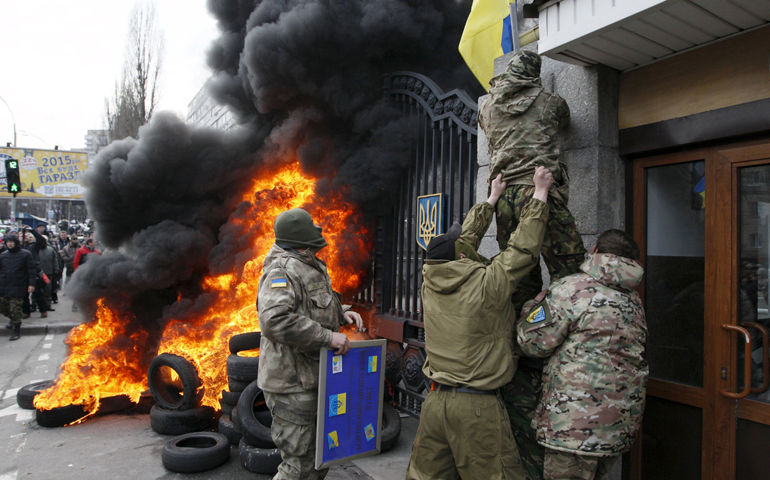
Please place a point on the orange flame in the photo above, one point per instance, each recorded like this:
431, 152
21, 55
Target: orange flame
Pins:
203, 340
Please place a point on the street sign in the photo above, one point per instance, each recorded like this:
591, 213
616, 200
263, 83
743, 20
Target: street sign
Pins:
350, 403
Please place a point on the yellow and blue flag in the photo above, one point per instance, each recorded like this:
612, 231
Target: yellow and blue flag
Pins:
487, 35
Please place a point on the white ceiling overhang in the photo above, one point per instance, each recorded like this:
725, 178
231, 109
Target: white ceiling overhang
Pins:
625, 34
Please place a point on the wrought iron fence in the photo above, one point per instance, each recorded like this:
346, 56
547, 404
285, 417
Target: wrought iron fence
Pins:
443, 154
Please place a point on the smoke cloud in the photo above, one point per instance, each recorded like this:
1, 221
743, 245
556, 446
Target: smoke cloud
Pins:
304, 79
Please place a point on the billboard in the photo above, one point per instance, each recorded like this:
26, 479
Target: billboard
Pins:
45, 173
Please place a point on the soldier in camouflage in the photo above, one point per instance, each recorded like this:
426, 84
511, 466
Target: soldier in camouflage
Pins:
298, 314
592, 328
522, 123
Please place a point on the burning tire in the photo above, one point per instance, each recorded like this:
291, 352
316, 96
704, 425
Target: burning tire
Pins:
196, 452
114, 404
259, 460
244, 369
391, 427
249, 416
60, 416
174, 382
244, 341
175, 422
26, 395
227, 429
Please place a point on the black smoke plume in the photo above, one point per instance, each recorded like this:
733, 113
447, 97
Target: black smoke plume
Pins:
300, 76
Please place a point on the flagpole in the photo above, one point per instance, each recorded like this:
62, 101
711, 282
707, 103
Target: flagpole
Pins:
514, 25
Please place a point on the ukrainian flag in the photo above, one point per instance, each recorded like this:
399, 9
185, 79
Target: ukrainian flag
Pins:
487, 35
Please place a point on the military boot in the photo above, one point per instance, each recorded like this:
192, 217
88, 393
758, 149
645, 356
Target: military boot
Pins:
16, 332
10, 325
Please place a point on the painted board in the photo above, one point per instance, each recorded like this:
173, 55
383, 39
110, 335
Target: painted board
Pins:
350, 389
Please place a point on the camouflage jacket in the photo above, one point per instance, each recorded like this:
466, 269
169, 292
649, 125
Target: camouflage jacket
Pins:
522, 121
298, 311
592, 326
467, 309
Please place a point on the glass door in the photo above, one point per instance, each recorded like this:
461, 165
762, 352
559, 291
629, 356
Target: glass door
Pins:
702, 220
752, 407
674, 246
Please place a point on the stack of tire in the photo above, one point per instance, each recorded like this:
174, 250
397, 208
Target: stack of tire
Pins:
178, 395
246, 420
178, 411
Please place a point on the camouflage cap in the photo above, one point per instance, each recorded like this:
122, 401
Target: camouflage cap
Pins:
525, 64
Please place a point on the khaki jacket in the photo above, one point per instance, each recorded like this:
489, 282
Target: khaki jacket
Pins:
592, 325
467, 309
298, 311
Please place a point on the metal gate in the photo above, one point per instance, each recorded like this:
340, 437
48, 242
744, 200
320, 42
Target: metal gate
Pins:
443, 162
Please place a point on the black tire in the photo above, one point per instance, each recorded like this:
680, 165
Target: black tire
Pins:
237, 385
182, 395
114, 404
237, 425
227, 429
230, 398
244, 341
60, 416
255, 433
259, 460
244, 369
196, 452
225, 408
175, 422
391, 427
26, 395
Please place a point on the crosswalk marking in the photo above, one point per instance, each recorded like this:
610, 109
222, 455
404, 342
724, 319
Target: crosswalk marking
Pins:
47, 345
21, 414
9, 475
41, 369
49, 337
43, 356
11, 392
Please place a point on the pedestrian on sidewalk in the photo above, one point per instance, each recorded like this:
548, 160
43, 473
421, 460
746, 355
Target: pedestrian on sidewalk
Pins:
49, 264
82, 254
36, 242
68, 257
18, 274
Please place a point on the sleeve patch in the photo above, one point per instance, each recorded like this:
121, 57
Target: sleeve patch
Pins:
279, 283
537, 315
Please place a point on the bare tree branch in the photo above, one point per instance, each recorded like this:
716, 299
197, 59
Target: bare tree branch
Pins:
138, 91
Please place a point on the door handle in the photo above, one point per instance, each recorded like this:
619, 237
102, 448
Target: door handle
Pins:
747, 364
765, 356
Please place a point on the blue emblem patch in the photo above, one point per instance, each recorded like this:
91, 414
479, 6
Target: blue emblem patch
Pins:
537, 315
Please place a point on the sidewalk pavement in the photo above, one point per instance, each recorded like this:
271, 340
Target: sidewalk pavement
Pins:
61, 320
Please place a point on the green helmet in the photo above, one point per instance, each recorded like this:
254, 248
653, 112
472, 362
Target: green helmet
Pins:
295, 228
525, 64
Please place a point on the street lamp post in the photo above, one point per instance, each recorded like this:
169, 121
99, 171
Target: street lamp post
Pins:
12, 118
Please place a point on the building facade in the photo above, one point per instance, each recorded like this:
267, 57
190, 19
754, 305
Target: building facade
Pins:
670, 140
202, 111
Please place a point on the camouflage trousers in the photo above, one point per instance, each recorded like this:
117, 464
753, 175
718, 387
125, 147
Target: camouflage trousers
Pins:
293, 430
521, 398
563, 249
11, 308
463, 436
570, 466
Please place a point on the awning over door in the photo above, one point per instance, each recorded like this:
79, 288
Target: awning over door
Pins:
625, 34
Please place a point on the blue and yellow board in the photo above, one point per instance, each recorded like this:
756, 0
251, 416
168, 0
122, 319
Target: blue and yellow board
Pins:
350, 403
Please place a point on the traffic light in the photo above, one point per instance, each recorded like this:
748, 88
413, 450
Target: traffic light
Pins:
12, 175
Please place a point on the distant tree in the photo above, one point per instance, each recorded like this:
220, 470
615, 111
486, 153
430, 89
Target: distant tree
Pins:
137, 92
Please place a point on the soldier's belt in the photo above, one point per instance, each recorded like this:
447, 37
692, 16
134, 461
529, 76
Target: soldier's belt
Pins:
446, 388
